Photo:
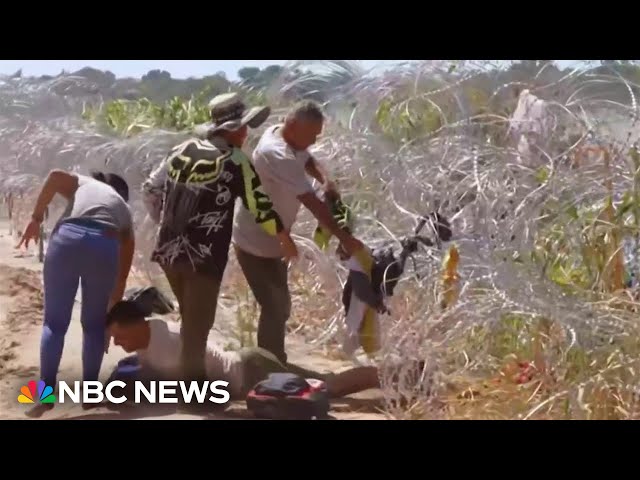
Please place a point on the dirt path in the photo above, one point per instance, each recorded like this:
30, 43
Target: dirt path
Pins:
20, 329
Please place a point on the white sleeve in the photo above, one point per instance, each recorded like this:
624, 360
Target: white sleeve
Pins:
153, 190
287, 172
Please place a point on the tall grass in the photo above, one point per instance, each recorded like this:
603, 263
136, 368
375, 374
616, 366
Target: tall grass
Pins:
544, 324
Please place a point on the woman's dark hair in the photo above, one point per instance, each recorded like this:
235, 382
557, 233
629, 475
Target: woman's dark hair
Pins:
125, 312
116, 182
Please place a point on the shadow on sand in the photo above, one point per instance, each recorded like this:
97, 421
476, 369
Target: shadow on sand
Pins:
158, 411
236, 410
358, 405
139, 412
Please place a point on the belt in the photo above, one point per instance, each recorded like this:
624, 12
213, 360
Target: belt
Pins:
108, 232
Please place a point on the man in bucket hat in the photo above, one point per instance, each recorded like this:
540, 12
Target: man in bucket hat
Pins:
192, 196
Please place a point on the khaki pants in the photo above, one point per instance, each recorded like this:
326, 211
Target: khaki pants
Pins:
197, 296
268, 280
258, 364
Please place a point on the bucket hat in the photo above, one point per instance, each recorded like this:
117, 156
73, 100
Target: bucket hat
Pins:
229, 112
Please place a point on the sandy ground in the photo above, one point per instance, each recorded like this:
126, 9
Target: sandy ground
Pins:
20, 328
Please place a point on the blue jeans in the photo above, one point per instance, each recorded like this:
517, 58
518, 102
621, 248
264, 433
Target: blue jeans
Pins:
77, 253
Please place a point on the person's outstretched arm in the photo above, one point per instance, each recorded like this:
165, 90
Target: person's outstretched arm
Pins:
57, 182
317, 171
291, 175
127, 249
321, 212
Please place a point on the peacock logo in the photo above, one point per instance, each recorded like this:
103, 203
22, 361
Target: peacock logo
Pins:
44, 393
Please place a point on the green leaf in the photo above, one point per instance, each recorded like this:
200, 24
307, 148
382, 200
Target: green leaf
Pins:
572, 211
625, 206
542, 175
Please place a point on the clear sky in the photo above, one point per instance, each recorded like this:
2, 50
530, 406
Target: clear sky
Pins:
137, 68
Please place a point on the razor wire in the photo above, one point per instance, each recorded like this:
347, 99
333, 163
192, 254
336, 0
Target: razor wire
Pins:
470, 168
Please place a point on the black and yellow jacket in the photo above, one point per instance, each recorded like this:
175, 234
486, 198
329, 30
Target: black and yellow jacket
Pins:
192, 196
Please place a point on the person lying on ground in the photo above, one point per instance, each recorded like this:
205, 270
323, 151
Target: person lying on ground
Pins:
92, 243
192, 195
157, 349
285, 166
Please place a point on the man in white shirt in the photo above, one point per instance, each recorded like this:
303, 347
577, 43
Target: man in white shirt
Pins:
158, 347
284, 165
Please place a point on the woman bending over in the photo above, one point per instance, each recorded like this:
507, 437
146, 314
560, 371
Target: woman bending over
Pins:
92, 244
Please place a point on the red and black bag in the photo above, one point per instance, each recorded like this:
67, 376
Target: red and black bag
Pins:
284, 396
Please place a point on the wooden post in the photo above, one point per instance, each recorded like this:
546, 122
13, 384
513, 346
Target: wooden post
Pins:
42, 237
615, 271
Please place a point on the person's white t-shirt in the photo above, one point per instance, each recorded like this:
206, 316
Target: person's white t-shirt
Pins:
282, 172
98, 201
163, 356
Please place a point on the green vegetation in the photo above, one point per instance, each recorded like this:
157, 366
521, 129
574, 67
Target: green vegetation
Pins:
130, 117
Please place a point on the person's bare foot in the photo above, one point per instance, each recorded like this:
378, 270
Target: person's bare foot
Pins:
38, 410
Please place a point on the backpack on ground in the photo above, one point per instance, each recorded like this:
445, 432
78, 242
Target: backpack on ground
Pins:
285, 396
150, 300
